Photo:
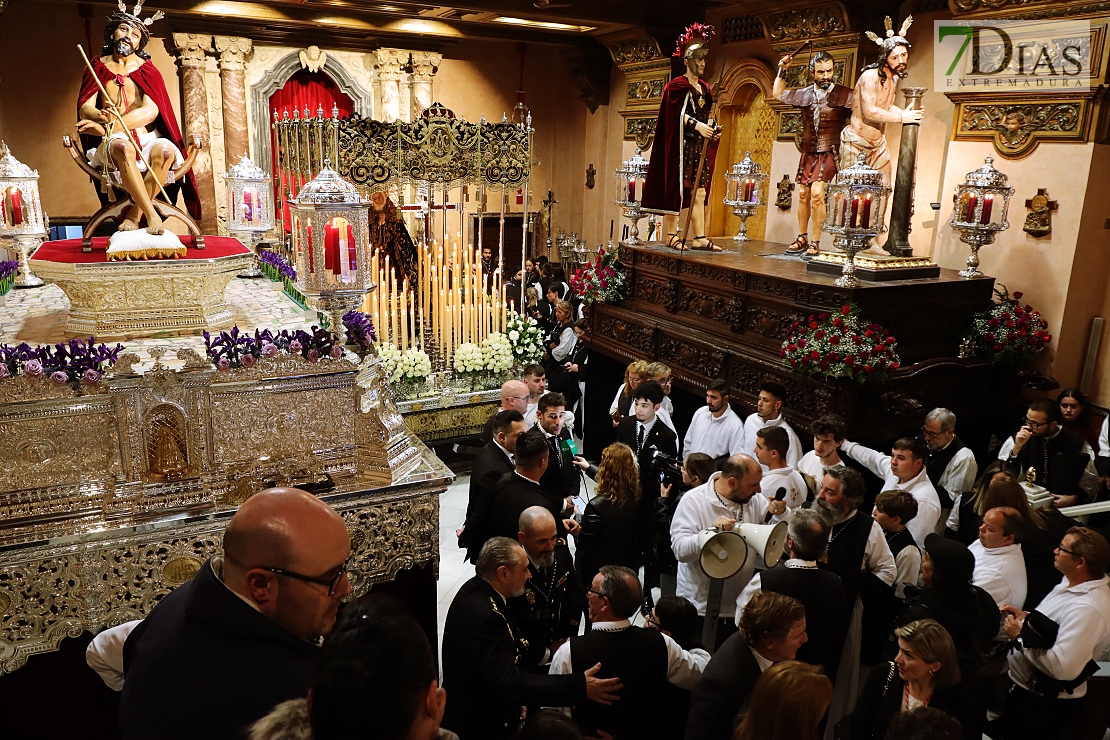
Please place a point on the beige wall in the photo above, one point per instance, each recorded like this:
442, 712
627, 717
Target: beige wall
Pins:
40, 77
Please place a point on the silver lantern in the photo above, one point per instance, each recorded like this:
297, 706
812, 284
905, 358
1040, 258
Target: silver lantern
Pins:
250, 212
629, 195
980, 205
22, 223
856, 213
744, 187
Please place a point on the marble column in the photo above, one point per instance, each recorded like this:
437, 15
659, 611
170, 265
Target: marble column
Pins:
901, 210
191, 50
234, 51
424, 67
387, 63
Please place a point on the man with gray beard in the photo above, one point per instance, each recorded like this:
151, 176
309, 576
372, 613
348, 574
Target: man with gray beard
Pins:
550, 609
857, 547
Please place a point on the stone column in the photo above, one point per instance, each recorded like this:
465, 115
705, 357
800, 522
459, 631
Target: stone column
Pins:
233, 55
901, 210
191, 50
424, 67
387, 63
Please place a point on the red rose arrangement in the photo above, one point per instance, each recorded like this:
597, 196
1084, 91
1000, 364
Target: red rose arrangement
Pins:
1011, 334
602, 280
841, 345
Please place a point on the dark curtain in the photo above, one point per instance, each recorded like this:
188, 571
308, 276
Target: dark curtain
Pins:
311, 90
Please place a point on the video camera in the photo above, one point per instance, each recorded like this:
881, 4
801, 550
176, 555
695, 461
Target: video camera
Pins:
669, 468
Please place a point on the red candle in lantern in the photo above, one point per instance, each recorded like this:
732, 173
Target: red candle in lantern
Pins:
972, 200
988, 206
250, 198
632, 190
336, 249
16, 200
855, 211
311, 256
865, 218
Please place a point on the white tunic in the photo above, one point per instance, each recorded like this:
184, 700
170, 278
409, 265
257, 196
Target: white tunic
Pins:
1000, 571
754, 423
714, 436
928, 503
786, 477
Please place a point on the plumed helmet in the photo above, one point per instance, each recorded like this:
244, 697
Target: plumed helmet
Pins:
694, 42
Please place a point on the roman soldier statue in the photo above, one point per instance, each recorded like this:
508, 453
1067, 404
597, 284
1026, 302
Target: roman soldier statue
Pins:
874, 107
825, 107
682, 132
137, 91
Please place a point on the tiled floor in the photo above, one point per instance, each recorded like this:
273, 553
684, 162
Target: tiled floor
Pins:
38, 315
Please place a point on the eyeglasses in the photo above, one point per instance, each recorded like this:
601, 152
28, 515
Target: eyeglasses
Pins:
520, 398
1061, 548
932, 435
598, 594
332, 583
650, 621
1036, 424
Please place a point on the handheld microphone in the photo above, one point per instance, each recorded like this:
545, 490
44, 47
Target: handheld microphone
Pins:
779, 496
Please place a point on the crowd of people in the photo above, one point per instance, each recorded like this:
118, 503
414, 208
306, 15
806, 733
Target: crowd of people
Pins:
935, 603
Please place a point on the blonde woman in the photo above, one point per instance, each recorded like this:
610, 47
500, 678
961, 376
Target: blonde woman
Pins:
611, 529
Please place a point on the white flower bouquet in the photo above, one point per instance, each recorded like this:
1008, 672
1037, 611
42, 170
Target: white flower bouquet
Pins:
497, 354
526, 338
468, 359
390, 355
414, 365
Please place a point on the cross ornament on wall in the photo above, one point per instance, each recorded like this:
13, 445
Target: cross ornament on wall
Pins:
1039, 221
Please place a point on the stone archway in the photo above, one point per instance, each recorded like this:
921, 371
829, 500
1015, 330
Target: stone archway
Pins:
749, 126
275, 78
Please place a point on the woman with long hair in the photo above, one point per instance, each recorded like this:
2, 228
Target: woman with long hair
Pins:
967, 514
1077, 416
1044, 528
560, 343
611, 530
788, 702
925, 672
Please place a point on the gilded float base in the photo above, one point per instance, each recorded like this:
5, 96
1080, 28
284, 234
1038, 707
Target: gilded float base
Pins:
125, 300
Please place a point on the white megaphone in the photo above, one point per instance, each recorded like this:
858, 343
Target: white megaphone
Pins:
723, 554
769, 540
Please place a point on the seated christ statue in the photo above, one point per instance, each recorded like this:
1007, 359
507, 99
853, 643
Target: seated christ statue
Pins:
136, 90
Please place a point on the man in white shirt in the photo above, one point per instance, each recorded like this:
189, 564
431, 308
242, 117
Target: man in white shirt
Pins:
950, 465
771, 444
730, 496
999, 564
768, 413
715, 430
828, 433
1080, 605
634, 654
535, 378
903, 468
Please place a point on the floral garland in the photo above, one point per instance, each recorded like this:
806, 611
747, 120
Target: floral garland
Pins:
841, 346
1011, 334
526, 339
497, 353
70, 363
235, 349
603, 280
360, 329
8, 270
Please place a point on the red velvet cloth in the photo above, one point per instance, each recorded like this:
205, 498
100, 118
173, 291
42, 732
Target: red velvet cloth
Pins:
148, 79
69, 250
312, 90
662, 191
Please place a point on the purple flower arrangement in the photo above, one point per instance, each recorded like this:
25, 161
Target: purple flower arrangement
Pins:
276, 267
236, 349
72, 363
8, 270
360, 329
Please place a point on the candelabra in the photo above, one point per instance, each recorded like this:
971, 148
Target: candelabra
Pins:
856, 214
976, 213
630, 192
744, 192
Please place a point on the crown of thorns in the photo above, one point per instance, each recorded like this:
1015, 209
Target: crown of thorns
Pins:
133, 16
693, 39
892, 39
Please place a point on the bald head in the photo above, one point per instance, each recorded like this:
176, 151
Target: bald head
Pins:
288, 530
535, 517
514, 396
538, 535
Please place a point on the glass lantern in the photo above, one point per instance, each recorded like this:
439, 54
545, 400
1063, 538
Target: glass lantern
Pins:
630, 192
979, 211
332, 247
856, 213
249, 207
744, 192
22, 222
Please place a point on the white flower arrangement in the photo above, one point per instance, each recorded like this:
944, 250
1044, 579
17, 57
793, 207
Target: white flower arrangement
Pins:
497, 353
526, 338
391, 356
468, 358
414, 365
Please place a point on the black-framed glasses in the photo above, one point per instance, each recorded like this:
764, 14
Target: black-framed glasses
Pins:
332, 583
596, 593
1036, 424
932, 435
1061, 548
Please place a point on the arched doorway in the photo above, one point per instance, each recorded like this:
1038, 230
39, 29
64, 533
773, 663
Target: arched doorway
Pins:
749, 126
